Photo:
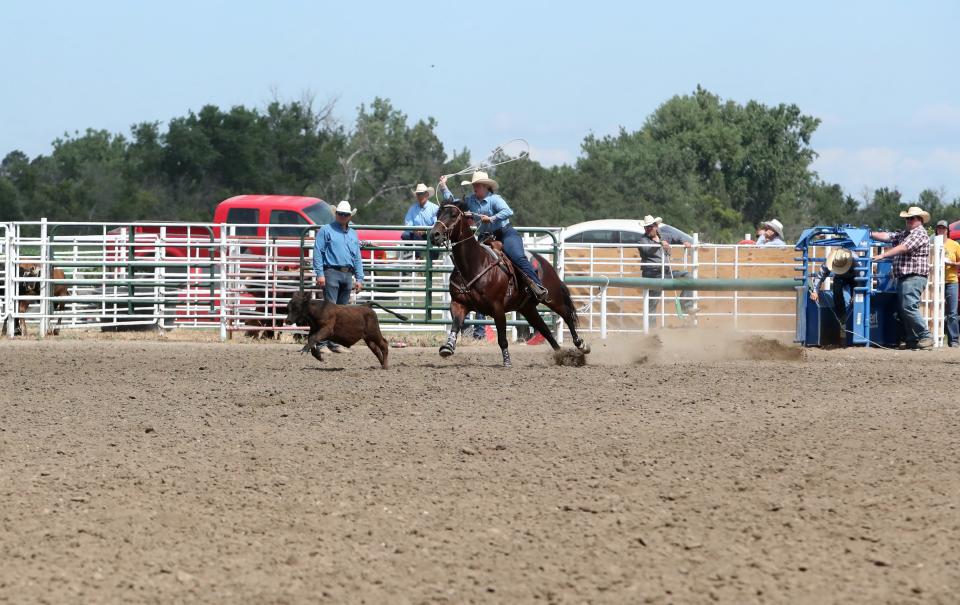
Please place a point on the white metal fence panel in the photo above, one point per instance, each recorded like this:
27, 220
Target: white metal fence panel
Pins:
174, 275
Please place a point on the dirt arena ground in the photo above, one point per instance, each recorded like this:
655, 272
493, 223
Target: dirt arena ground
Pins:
693, 472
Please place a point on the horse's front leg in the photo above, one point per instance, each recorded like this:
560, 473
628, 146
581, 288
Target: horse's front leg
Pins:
458, 312
500, 319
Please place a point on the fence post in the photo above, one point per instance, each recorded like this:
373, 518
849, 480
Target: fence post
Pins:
8, 272
222, 247
696, 275
646, 311
44, 277
558, 251
603, 313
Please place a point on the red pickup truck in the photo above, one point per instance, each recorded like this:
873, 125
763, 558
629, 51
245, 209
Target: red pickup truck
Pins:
280, 218
285, 215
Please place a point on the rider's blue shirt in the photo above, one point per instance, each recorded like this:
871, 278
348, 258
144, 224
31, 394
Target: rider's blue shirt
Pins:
493, 206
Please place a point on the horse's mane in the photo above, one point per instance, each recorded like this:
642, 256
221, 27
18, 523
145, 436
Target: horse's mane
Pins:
461, 204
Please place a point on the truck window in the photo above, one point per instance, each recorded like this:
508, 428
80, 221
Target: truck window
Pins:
630, 237
243, 216
601, 236
286, 217
320, 213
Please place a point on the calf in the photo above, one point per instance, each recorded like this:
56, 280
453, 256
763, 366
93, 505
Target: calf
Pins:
32, 288
342, 324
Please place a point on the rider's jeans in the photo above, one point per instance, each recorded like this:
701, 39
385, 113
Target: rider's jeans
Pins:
513, 248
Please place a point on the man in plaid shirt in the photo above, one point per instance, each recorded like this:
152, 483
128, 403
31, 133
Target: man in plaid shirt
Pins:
911, 266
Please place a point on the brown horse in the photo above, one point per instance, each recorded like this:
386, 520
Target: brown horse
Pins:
484, 283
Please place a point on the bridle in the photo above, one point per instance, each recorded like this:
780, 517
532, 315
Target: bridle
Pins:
448, 229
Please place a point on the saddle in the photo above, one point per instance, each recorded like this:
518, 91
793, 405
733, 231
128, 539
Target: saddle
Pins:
495, 250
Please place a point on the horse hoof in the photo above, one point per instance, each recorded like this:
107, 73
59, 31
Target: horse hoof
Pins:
446, 351
585, 349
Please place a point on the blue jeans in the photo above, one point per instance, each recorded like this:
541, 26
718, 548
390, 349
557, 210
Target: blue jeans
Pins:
338, 286
950, 313
909, 291
685, 301
513, 248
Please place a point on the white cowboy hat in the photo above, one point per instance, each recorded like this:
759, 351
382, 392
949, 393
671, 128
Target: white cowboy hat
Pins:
483, 178
344, 207
916, 211
776, 225
839, 261
649, 220
421, 188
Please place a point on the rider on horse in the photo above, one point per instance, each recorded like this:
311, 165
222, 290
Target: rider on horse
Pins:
494, 221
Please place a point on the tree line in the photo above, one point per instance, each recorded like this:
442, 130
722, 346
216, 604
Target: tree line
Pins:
704, 164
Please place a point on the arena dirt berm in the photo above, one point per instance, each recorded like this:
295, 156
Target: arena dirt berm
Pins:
689, 471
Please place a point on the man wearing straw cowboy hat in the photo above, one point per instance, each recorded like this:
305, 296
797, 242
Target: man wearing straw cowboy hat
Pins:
494, 215
911, 266
771, 233
653, 245
336, 259
422, 213
839, 266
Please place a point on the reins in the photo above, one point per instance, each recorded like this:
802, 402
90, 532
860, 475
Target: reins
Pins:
448, 231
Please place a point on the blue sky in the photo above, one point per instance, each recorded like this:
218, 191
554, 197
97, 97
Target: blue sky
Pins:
881, 75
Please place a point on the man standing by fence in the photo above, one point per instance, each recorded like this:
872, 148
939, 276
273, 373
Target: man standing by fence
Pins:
653, 245
336, 260
911, 266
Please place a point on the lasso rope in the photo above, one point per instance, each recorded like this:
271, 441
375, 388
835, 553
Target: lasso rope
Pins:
491, 161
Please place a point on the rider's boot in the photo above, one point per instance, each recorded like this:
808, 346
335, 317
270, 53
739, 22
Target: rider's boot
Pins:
539, 292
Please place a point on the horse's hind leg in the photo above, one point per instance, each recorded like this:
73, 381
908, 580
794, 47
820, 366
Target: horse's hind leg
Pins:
569, 317
458, 312
536, 322
500, 319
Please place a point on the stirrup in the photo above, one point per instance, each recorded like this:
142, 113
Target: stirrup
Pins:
539, 292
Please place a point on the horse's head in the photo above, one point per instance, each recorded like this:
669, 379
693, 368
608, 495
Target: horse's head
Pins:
451, 223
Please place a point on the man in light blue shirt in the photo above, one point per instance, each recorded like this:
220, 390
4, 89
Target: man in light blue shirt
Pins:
336, 261
423, 213
336, 257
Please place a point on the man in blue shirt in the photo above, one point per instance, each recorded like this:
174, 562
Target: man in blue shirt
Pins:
336, 260
423, 213
494, 221
336, 257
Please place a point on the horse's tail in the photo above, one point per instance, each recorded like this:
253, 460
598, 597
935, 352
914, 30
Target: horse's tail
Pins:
371, 303
547, 270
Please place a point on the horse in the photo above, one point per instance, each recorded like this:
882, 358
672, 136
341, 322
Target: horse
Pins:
485, 280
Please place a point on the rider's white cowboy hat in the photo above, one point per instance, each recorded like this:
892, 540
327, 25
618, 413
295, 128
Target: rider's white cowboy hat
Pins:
776, 225
916, 211
649, 220
421, 188
345, 208
839, 261
482, 178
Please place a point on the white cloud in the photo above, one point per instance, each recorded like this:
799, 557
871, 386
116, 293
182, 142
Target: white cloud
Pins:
552, 156
938, 118
872, 167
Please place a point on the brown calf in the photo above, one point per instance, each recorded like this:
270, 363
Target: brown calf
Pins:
32, 288
341, 324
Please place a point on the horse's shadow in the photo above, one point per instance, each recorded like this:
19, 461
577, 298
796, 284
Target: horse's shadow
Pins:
322, 369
